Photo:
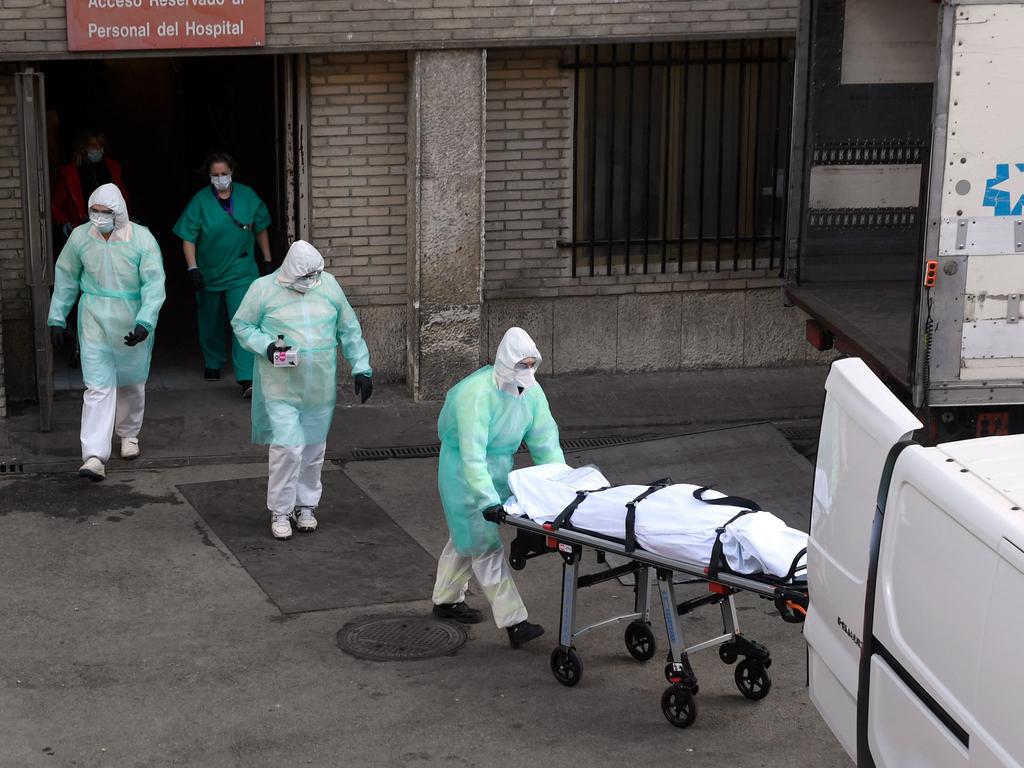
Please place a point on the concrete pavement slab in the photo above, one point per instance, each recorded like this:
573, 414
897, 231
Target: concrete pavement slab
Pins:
357, 556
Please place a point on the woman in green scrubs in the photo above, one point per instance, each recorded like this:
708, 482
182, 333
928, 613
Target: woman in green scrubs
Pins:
219, 228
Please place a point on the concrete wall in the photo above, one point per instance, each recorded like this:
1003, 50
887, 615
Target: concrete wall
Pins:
358, 178
37, 28
637, 332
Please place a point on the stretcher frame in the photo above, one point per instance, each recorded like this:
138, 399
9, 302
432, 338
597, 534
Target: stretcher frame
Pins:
677, 702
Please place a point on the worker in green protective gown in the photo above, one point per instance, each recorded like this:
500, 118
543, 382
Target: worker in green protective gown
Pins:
292, 406
485, 418
219, 228
116, 266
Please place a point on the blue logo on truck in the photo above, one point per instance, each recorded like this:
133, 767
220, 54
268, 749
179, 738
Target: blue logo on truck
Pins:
1005, 191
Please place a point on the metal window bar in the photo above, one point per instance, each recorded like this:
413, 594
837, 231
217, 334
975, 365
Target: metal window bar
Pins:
670, 210
681, 184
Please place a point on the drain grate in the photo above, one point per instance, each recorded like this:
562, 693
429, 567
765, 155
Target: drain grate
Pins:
400, 638
582, 443
803, 438
800, 431
12, 468
427, 451
396, 452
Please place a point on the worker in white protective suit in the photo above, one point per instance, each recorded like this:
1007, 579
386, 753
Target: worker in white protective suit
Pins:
292, 405
117, 267
485, 418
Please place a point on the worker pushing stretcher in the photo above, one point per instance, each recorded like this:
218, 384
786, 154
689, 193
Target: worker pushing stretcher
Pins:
727, 542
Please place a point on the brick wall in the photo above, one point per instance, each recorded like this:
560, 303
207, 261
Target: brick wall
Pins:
15, 311
30, 28
529, 165
529, 191
358, 119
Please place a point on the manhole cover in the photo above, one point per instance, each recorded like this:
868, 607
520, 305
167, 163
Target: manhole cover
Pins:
400, 638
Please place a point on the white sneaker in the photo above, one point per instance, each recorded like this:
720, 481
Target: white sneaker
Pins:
281, 526
129, 448
304, 519
92, 469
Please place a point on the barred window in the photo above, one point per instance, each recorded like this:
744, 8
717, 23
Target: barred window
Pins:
680, 156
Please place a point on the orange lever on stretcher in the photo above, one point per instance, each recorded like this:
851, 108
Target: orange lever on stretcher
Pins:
931, 271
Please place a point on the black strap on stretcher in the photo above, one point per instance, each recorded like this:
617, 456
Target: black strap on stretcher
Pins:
718, 562
566, 514
654, 487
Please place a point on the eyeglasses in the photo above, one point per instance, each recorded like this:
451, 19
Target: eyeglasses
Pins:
524, 366
312, 275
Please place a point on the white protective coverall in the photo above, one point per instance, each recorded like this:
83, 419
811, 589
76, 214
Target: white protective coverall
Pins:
292, 408
484, 420
121, 279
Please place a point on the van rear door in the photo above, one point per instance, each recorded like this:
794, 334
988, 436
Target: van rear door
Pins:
862, 421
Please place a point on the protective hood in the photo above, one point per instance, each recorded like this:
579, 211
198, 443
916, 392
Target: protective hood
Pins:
515, 345
302, 259
110, 196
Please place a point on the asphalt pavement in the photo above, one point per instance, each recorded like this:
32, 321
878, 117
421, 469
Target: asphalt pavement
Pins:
139, 629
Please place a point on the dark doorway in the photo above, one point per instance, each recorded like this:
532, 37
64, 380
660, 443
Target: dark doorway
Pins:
160, 117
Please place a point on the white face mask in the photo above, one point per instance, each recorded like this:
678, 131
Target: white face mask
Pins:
220, 183
524, 377
104, 222
305, 284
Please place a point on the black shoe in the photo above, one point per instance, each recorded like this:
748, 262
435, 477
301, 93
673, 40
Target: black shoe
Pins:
523, 632
211, 374
460, 612
246, 389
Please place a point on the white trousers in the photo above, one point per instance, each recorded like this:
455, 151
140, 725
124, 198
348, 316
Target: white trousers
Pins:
293, 479
106, 410
494, 576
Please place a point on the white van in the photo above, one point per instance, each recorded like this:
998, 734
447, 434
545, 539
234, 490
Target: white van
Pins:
916, 576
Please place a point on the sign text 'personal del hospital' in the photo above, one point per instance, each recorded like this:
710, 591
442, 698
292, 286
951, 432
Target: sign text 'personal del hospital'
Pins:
126, 25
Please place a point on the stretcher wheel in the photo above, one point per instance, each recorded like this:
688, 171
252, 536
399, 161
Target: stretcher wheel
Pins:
640, 641
678, 706
727, 653
518, 562
566, 666
753, 679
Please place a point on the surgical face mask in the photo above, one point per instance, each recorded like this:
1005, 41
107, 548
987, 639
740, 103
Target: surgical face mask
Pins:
220, 183
306, 283
104, 222
524, 376
94, 155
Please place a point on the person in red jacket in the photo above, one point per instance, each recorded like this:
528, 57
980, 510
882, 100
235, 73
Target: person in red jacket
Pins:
90, 168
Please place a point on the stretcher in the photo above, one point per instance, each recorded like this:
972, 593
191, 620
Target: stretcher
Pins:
563, 535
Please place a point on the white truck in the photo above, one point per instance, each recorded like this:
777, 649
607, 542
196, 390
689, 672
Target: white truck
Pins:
916, 581
907, 202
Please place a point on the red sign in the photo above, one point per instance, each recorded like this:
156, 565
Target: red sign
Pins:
131, 25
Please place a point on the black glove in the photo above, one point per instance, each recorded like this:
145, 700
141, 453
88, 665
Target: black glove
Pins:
197, 279
494, 514
363, 386
274, 348
139, 334
56, 337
